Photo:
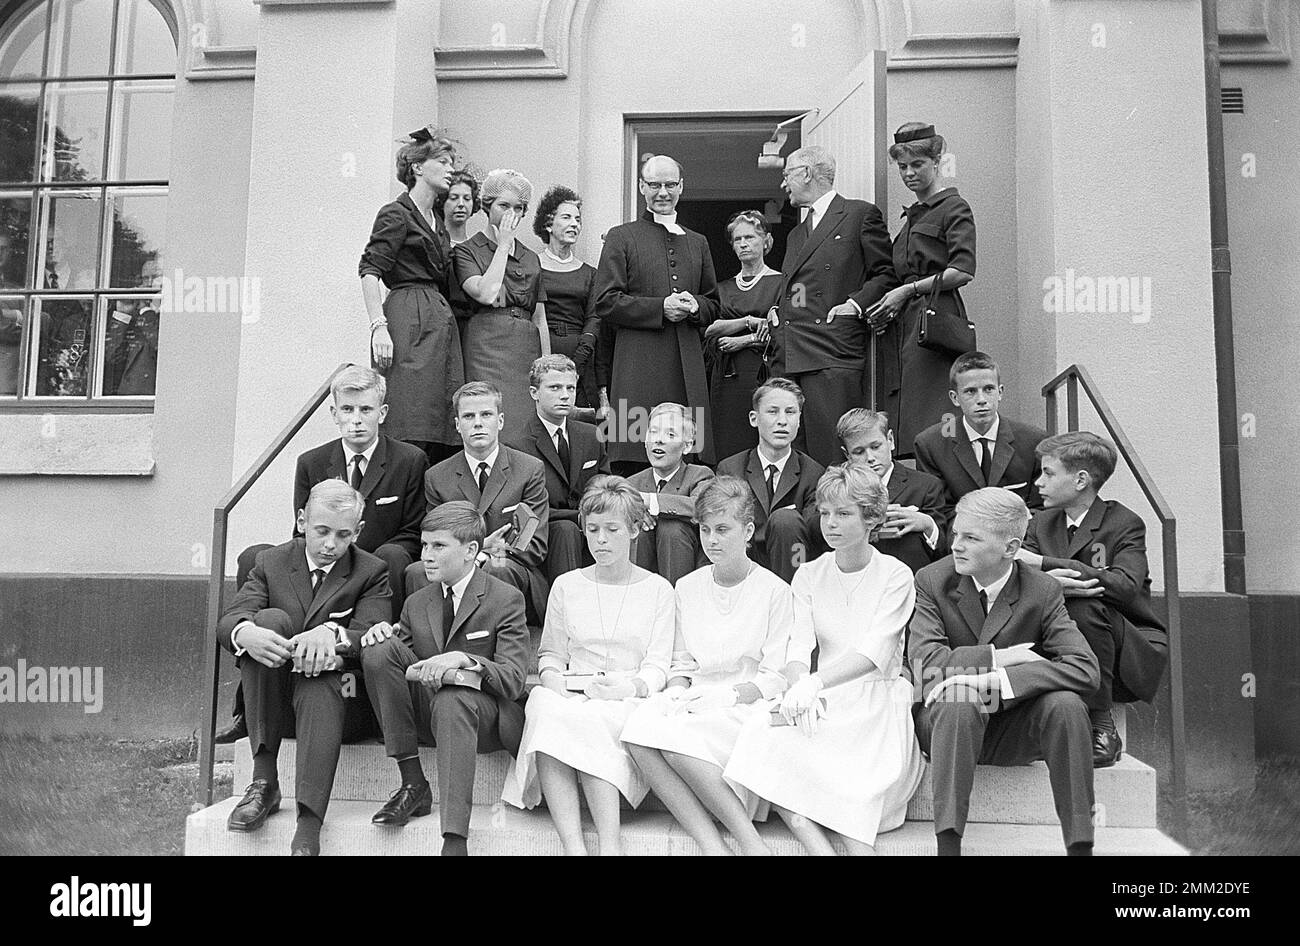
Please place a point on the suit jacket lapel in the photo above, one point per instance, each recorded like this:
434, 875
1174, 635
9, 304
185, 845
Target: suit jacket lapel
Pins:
965, 454
757, 482
787, 481
338, 465
1000, 613
421, 219
331, 586
968, 603
1083, 536
496, 481
546, 447
469, 603
1052, 537
830, 220
301, 576
468, 484
374, 469
1003, 451
897, 482
433, 608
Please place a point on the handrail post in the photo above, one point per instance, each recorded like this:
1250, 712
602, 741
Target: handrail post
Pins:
1072, 402
1177, 723
1052, 422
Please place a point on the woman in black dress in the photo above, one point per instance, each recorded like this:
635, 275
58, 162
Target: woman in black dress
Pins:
414, 341
937, 242
507, 331
454, 208
567, 280
735, 342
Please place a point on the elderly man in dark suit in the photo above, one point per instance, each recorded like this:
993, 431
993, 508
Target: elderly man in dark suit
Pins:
496, 480
837, 264
293, 627
656, 287
388, 473
571, 452
981, 447
450, 673
1003, 671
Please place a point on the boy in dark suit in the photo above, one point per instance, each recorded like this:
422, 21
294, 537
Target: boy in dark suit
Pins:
1003, 670
495, 480
669, 544
571, 453
292, 627
837, 264
388, 473
783, 480
1096, 549
450, 674
983, 448
914, 530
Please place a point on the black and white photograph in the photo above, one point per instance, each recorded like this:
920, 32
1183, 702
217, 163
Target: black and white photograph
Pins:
651, 428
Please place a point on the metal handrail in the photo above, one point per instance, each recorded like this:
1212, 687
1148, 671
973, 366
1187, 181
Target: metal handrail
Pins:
1072, 378
217, 577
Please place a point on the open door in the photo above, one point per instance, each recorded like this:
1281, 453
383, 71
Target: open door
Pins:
851, 126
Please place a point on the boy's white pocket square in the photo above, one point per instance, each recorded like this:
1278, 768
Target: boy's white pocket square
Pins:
386, 500
589, 464
477, 635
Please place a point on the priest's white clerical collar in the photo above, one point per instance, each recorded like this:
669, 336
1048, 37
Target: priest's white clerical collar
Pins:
669, 222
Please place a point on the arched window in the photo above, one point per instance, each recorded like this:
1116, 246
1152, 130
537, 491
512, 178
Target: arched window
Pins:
86, 91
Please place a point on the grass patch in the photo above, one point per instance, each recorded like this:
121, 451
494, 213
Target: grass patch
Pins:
86, 795
1264, 821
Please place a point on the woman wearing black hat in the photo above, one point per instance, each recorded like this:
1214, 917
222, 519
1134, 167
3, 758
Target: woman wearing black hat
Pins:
936, 243
414, 341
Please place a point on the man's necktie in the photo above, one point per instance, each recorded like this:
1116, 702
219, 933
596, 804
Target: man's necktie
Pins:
660, 484
357, 473
984, 602
317, 576
562, 448
1070, 531
482, 478
771, 482
448, 610
986, 459
812, 220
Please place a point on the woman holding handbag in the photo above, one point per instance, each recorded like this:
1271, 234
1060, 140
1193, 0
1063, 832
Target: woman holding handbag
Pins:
923, 321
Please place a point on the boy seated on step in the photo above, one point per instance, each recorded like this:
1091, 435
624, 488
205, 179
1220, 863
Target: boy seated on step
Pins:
981, 447
669, 544
450, 674
1096, 549
914, 530
294, 626
787, 528
1004, 672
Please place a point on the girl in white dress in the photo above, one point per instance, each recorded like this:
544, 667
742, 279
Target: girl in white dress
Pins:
605, 647
733, 623
853, 771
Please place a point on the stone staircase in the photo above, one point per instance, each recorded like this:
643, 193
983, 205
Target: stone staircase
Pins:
1011, 812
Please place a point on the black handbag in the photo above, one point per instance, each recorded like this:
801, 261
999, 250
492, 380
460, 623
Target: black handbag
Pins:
944, 327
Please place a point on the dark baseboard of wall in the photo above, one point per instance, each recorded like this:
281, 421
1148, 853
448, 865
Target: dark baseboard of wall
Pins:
146, 632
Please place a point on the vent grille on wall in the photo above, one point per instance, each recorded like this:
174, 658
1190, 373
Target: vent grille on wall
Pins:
1233, 101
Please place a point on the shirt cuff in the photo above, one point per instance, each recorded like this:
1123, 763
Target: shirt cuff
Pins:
239, 651
855, 304
932, 537
1005, 685
651, 503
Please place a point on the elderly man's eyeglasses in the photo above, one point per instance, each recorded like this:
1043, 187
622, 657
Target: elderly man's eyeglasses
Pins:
670, 186
785, 175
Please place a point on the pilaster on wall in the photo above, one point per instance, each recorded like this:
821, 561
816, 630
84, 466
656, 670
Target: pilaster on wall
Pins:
321, 166
1114, 227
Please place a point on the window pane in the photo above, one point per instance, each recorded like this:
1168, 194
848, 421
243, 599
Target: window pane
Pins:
19, 119
142, 131
12, 319
23, 46
70, 229
145, 41
63, 351
74, 132
139, 235
15, 222
80, 45
130, 347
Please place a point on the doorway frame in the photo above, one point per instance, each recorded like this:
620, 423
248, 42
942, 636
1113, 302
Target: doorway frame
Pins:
635, 124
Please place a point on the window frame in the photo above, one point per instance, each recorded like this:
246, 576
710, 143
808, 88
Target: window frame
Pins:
105, 189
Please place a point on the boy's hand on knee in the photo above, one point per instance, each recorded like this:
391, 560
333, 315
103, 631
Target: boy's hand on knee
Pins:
378, 634
313, 651
265, 645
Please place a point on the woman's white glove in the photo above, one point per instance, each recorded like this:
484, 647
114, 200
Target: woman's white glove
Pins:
715, 696
801, 707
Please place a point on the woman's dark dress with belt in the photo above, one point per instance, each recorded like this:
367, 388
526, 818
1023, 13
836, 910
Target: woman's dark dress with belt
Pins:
462, 306
413, 261
501, 342
734, 375
937, 234
569, 316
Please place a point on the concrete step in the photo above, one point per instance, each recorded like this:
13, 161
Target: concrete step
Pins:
1126, 792
504, 831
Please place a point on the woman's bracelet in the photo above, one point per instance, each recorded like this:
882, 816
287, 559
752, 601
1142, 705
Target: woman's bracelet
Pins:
376, 324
